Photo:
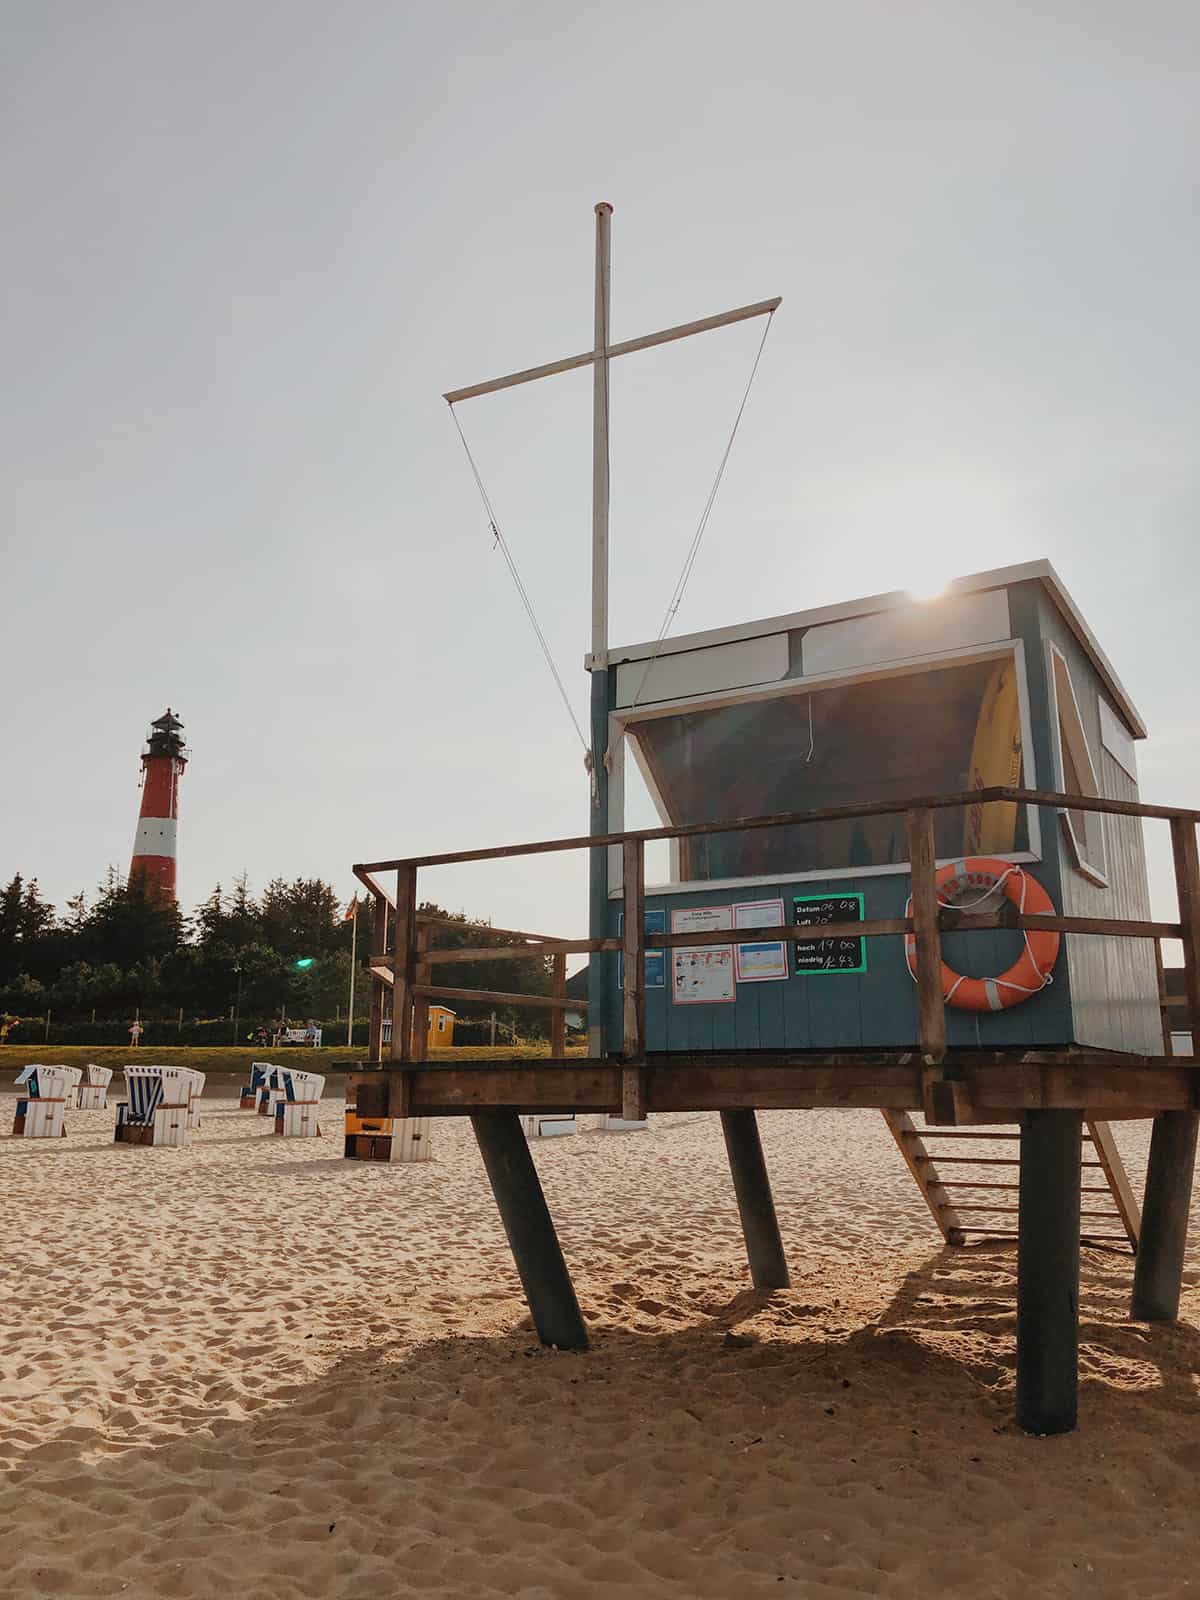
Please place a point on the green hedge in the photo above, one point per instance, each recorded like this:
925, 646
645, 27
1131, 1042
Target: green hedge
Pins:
202, 1035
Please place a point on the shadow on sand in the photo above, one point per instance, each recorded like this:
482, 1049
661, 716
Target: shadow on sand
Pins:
768, 1446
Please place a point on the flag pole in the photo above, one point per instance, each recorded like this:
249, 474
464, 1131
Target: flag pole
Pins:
353, 961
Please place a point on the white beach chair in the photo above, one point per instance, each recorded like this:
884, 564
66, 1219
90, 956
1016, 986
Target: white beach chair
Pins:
549, 1127
296, 1112
156, 1112
41, 1110
397, 1139
248, 1100
92, 1093
73, 1076
195, 1085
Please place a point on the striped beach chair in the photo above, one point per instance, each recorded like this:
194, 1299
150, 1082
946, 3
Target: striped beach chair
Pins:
156, 1110
271, 1091
42, 1109
92, 1094
296, 1112
259, 1070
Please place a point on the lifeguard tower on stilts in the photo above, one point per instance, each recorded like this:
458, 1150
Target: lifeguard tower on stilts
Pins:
906, 872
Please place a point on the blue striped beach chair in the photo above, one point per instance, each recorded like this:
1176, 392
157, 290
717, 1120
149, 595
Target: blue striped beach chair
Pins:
156, 1110
296, 1110
271, 1091
41, 1110
248, 1100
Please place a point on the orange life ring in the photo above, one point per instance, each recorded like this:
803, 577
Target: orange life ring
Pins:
981, 876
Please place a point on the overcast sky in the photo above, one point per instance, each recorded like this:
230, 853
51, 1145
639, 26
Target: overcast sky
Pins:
249, 245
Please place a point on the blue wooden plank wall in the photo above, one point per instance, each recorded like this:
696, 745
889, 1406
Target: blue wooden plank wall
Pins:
841, 1010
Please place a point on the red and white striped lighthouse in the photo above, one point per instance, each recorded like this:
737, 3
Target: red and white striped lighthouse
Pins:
163, 761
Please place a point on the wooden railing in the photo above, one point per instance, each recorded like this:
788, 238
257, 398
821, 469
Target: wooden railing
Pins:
423, 927
414, 955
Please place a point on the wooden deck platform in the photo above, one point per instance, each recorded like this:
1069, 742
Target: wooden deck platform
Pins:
967, 1087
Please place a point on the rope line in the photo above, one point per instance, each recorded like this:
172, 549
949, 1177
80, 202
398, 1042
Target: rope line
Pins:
677, 593
501, 543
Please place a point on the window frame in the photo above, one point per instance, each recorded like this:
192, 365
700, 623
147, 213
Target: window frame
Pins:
620, 720
1079, 850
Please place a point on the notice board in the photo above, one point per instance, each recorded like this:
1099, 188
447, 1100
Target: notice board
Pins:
817, 956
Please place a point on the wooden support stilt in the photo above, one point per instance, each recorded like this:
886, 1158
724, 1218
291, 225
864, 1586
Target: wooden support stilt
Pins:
1164, 1014
937, 1099
1048, 1272
752, 1186
558, 1018
404, 963
633, 1075
419, 1049
1158, 1274
378, 948
530, 1229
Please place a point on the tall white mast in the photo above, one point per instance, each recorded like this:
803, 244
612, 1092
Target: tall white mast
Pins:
598, 356
600, 435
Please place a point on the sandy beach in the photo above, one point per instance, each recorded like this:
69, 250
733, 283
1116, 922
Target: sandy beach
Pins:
254, 1368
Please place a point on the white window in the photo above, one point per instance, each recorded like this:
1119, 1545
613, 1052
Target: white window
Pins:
1076, 774
441, 1024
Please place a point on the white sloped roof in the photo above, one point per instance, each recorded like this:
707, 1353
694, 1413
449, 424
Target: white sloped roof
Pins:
998, 578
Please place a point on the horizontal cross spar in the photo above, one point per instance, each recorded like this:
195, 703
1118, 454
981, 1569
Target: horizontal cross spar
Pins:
761, 308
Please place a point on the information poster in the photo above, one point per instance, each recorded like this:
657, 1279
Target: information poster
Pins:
656, 960
703, 975
816, 956
759, 963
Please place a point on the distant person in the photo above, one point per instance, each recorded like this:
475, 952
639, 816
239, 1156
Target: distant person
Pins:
135, 1034
261, 1037
312, 1033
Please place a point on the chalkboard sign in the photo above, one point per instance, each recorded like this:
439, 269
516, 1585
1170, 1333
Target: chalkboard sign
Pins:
818, 955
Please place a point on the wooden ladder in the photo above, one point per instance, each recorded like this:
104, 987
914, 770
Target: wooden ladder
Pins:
948, 1211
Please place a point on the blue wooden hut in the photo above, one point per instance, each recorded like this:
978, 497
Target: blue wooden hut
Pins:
997, 681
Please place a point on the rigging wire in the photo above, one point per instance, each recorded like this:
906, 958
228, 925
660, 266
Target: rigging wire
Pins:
677, 593
501, 544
